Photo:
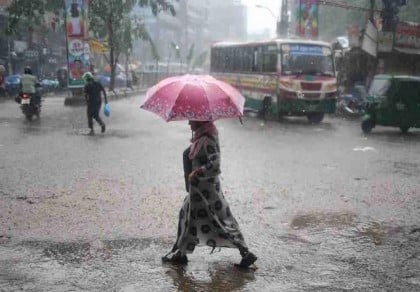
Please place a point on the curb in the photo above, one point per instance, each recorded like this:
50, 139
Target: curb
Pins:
80, 100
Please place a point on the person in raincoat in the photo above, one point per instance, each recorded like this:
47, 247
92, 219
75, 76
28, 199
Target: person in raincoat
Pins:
205, 217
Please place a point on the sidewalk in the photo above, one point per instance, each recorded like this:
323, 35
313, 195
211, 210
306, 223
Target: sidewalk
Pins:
112, 95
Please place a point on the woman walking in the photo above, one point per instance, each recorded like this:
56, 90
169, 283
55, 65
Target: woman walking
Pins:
205, 217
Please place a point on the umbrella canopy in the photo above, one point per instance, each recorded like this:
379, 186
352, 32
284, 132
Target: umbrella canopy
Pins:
194, 97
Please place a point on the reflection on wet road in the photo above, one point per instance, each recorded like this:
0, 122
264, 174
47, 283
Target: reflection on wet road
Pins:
337, 255
81, 213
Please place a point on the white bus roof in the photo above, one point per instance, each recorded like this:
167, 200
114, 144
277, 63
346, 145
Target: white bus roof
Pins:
277, 41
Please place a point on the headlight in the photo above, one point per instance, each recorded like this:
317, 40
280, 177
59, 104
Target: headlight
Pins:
330, 87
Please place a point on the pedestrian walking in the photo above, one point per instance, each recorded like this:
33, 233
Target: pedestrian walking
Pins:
205, 217
93, 90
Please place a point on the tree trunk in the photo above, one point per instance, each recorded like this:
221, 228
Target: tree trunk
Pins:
112, 61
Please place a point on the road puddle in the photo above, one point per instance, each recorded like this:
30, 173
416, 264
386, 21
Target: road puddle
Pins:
321, 220
328, 251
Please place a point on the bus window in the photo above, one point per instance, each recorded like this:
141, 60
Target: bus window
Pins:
249, 59
257, 63
307, 59
269, 59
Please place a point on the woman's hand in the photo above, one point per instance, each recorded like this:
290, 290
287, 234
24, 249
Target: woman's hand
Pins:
194, 174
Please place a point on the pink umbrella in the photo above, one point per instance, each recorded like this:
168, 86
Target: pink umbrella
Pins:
194, 97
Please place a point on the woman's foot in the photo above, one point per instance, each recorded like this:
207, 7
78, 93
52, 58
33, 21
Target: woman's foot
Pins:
248, 259
177, 258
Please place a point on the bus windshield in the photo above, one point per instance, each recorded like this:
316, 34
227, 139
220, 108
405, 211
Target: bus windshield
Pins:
306, 59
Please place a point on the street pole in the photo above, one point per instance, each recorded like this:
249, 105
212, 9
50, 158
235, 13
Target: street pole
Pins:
283, 25
9, 57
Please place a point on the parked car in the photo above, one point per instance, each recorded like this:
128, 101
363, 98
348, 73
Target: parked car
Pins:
12, 84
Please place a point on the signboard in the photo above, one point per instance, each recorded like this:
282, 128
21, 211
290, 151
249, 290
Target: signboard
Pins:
31, 54
98, 47
407, 37
77, 45
307, 24
385, 41
305, 50
20, 46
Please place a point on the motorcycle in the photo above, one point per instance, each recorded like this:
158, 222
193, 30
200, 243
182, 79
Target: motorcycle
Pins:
28, 105
353, 105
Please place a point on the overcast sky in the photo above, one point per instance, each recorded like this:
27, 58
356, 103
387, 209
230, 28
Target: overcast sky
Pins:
260, 18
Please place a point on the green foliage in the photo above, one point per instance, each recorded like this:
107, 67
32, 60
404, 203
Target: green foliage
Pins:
30, 12
110, 20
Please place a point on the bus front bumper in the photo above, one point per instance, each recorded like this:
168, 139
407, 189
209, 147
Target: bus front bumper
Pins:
302, 106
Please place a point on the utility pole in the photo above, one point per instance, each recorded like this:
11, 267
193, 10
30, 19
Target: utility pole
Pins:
9, 52
283, 24
372, 11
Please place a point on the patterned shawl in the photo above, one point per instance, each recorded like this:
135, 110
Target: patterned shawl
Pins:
200, 138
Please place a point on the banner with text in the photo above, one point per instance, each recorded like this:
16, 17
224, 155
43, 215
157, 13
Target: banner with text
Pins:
407, 37
78, 59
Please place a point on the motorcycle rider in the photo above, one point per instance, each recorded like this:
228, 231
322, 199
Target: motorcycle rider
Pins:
28, 84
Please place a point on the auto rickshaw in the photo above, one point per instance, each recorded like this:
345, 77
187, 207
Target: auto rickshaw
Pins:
393, 101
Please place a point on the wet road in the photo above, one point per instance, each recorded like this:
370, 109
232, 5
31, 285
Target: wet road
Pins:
324, 207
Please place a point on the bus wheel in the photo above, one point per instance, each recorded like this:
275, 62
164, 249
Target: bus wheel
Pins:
315, 118
266, 107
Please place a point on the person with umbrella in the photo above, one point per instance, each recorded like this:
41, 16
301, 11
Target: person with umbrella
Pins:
205, 217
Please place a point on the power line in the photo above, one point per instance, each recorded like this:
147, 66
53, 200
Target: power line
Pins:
345, 5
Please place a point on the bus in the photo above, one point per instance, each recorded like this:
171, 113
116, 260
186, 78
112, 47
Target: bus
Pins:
280, 77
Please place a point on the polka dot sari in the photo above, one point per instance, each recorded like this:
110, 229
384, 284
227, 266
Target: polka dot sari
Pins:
205, 218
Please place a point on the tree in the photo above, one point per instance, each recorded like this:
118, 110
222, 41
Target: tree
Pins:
30, 12
112, 19
109, 19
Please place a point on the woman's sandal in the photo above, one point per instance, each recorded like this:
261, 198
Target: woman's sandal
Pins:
247, 260
177, 258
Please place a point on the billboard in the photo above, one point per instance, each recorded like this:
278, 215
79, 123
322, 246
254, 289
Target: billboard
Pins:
307, 24
78, 61
407, 37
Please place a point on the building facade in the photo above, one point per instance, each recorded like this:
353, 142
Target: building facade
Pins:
197, 23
